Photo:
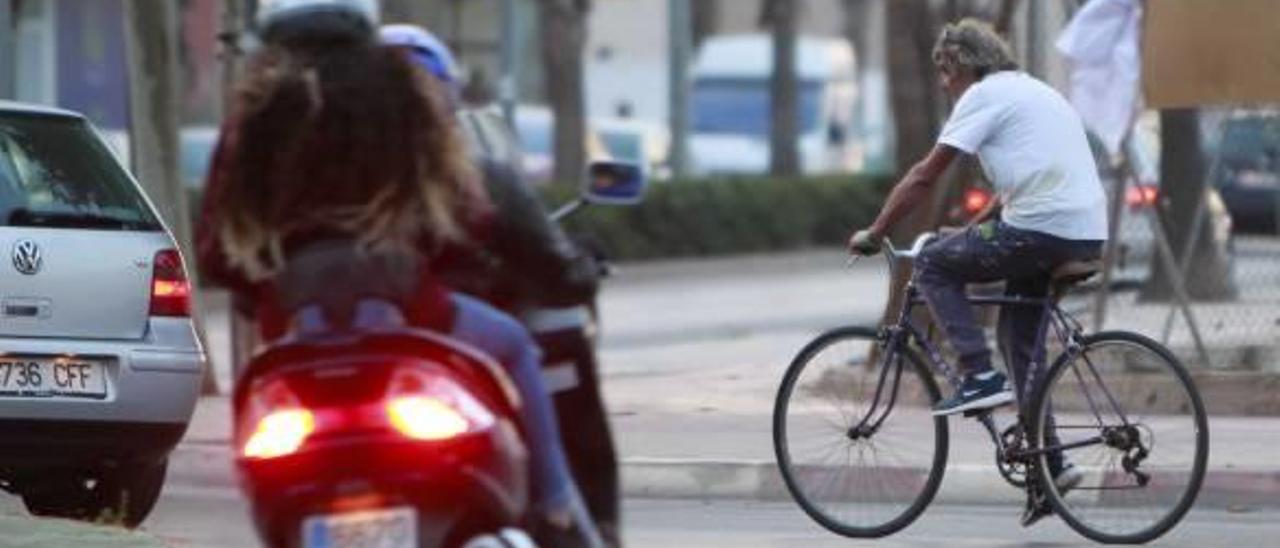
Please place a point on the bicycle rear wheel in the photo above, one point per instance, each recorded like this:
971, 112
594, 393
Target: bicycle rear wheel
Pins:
877, 481
1150, 437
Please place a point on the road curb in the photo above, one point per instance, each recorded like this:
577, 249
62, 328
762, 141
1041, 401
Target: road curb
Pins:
210, 465
1223, 488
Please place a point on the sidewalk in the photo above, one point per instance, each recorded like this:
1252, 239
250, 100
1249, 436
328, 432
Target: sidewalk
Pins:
22, 531
691, 358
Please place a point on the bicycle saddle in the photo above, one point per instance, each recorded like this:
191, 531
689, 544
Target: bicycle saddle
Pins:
1073, 272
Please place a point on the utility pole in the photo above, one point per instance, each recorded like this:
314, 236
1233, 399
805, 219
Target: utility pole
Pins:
1035, 42
8, 72
508, 85
680, 44
151, 36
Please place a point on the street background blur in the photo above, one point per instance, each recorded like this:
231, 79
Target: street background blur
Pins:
733, 261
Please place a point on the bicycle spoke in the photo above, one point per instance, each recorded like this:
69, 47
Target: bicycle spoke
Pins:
1139, 480
882, 472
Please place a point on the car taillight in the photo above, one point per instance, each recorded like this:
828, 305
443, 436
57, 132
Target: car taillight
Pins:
275, 422
170, 290
976, 200
423, 405
1141, 196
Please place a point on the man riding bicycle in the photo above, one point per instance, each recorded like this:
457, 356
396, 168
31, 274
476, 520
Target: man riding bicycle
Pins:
1033, 149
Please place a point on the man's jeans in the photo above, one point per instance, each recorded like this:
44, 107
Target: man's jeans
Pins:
990, 252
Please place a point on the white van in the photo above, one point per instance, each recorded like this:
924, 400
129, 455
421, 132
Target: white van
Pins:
730, 112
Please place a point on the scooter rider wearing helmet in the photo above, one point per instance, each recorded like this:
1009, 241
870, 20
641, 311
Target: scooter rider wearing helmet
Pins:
530, 265
552, 269
316, 150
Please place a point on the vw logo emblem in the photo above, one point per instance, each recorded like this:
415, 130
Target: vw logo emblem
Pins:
26, 257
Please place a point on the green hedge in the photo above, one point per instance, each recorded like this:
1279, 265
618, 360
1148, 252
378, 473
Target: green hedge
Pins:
721, 216
702, 217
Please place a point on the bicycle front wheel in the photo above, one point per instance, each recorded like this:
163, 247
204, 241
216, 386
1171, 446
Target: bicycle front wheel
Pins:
855, 473
1127, 415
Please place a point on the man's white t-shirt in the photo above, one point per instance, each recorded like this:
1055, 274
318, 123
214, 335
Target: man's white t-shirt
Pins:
1033, 148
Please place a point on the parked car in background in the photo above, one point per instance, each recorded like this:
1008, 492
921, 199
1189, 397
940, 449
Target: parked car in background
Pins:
488, 136
195, 151
100, 367
1247, 170
535, 128
644, 143
730, 105
1142, 199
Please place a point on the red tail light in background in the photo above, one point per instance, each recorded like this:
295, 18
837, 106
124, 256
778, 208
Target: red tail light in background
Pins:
976, 200
1141, 196
424, 405
170, 290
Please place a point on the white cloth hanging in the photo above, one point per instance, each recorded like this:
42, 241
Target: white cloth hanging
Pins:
1102, 44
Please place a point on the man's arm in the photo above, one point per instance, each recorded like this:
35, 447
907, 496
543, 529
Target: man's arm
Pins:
914, 187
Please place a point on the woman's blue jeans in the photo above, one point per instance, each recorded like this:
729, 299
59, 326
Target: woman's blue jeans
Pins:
507, 341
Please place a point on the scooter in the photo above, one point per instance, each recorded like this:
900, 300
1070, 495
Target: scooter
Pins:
369, 432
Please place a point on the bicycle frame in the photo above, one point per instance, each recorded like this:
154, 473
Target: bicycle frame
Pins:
904, 331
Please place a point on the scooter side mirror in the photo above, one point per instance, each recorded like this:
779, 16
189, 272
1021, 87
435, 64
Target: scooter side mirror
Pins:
614, 183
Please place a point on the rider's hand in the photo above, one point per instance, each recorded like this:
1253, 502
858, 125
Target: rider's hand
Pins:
865, 242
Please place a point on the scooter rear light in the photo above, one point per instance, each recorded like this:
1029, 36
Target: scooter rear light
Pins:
280, 433
275, 422
425, 405
426, 418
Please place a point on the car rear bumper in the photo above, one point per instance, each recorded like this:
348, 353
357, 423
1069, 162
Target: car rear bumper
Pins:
153, 381
48, 444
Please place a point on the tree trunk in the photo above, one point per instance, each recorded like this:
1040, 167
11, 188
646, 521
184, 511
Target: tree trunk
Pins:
564, 37
1004, 17
784, 157
1182, 186
396, 11
706, 18
857, 28
151, 32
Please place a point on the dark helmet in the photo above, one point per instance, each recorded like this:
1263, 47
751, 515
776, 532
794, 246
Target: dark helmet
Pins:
287, 21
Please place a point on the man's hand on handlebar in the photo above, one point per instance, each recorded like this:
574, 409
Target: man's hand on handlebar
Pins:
865, 243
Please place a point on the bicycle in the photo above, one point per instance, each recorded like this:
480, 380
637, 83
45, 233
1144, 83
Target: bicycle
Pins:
1104, 403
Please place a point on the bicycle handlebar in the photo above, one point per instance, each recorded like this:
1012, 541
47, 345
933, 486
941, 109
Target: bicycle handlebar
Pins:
916, 247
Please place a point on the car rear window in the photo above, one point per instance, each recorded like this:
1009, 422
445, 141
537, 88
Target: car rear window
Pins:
55, 173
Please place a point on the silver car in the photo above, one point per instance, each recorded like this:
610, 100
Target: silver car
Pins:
100, 367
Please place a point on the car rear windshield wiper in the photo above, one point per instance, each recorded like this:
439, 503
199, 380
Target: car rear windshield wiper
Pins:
73, 219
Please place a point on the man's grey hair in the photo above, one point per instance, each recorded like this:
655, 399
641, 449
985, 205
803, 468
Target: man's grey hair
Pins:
972, 46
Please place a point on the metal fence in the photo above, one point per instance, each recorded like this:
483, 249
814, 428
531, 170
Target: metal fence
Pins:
1230, 319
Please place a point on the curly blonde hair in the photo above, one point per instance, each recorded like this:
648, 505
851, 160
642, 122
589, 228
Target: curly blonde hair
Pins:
972, 46
354, 141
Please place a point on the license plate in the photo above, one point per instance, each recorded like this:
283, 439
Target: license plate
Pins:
391, 528
52, 377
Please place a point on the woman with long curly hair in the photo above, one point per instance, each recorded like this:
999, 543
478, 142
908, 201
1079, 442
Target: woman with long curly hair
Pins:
349, 150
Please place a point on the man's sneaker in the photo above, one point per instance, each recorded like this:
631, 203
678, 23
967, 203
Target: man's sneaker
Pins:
1038, 506
981, 391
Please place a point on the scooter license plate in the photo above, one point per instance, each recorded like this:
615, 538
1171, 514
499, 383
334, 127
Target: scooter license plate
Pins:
382, 528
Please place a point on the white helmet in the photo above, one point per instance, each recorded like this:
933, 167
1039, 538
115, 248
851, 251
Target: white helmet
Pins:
283, 20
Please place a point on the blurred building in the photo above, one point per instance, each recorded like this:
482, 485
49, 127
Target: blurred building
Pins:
71, 53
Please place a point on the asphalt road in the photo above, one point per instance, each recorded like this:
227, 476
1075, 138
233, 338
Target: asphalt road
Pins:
215, 518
